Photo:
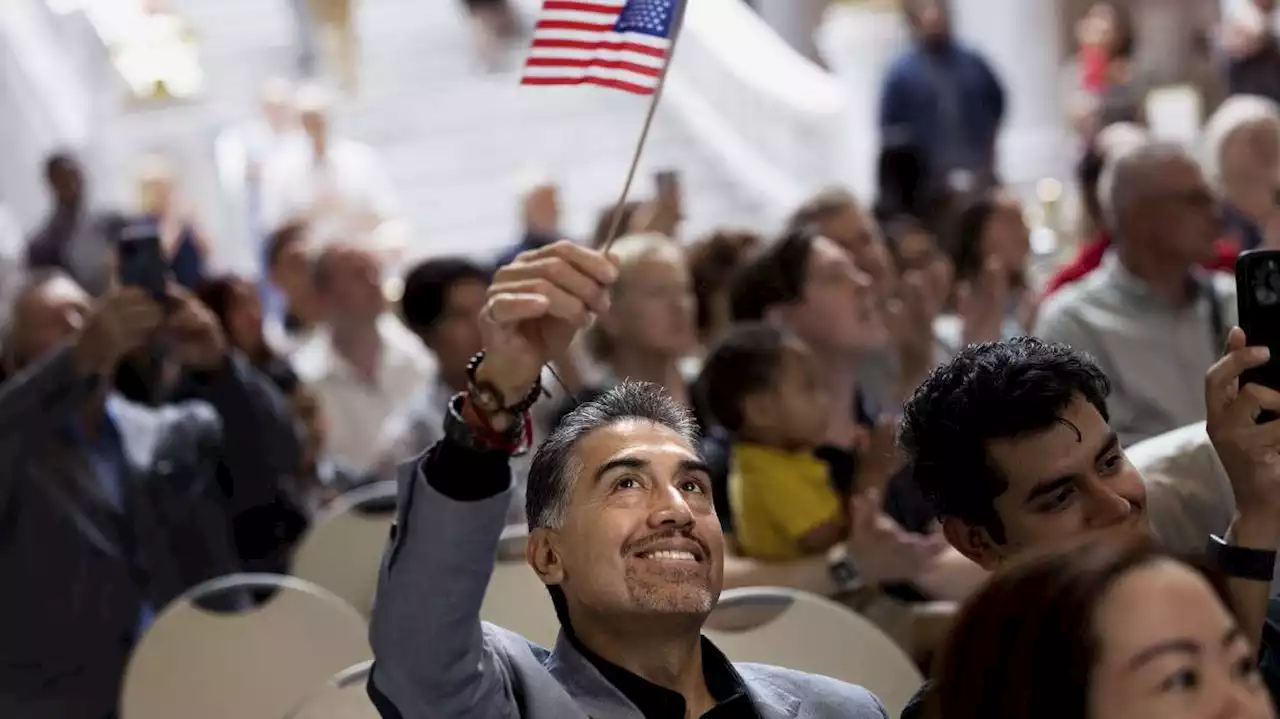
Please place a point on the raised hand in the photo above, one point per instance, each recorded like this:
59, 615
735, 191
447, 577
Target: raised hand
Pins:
878, 457
198, 340
125, 319
536, 306
883, 551
981, 304
1250, 452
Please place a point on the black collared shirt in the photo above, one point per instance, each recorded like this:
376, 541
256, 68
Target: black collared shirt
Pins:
655, 702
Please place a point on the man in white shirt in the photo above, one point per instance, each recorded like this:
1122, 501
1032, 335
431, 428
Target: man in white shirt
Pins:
363, 364
338, 186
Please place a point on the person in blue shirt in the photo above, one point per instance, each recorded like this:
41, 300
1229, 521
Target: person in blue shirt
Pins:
943, 99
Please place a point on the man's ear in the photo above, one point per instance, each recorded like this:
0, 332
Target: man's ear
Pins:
973, 542
540, 552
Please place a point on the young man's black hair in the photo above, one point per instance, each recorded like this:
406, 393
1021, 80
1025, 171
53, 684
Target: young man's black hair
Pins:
426, 289
990, 391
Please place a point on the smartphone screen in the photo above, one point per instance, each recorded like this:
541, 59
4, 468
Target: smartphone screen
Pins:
141, 260
1258, 300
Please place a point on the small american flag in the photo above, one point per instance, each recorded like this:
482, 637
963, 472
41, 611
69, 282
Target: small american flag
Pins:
615, 43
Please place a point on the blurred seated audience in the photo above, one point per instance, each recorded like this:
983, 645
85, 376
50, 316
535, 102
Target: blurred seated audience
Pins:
808, 285
1152, 319
318, 479
114, 508
650, 325
182, 241
837, 215
917, 316
77, 237
1096, 176
362, 363
1252, 49
540, 215
336, 185
762, 385
1242, 159
713, 261
441, 304
993, 299
289, 267
234, 301
1133, 632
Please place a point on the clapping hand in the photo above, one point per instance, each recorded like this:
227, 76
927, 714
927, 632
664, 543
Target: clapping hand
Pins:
882, 551
982, 303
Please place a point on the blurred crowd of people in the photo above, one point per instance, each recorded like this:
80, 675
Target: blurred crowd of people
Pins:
157, 440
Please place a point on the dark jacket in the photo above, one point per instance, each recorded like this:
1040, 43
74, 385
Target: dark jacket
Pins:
78, 571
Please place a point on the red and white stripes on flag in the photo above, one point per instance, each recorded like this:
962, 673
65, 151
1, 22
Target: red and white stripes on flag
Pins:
576, 42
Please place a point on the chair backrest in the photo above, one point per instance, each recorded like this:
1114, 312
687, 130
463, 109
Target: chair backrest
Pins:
516, 599
343, 549
1188, 493
239, 660
805, 632
345, 696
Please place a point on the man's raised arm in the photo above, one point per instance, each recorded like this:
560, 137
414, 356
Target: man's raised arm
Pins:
431, 656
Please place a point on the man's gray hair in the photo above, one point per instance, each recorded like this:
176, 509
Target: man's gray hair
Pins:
551, 473
1127, 176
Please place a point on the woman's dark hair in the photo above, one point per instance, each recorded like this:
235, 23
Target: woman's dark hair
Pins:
775, 276
712, 263
1089, 177
1024, 646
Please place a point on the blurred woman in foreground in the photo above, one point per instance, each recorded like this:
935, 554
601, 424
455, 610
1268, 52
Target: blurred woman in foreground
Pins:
1105, 630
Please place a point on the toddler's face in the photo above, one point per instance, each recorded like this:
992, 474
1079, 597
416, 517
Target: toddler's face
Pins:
799, 400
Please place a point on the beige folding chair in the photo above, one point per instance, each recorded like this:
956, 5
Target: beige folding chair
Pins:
212, 655
343, 549
343, 697
516, 599
1189, 495
808, 633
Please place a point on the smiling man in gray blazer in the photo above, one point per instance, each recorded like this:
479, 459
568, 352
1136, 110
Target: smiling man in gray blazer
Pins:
623, 532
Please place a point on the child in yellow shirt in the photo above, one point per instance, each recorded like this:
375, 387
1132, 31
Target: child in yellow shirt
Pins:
761, 384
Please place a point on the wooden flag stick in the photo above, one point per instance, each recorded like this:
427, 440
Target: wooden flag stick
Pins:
616, 225
635, 160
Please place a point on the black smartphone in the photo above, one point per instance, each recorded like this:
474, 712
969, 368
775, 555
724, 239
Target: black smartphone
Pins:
141, 259
1258, 300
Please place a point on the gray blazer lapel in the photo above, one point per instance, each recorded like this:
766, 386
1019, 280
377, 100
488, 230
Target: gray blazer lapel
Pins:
589, 689
770, 700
